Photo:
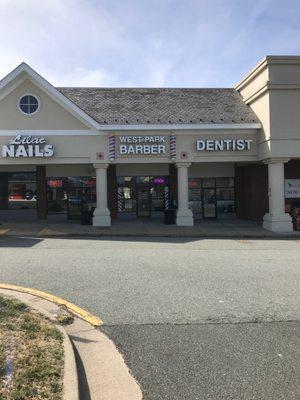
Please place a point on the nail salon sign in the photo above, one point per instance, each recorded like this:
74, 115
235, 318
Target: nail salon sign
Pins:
27, 147
292, 188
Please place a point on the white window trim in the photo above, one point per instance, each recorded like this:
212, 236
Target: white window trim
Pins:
38, 100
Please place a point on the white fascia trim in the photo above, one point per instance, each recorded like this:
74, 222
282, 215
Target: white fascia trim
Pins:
115, 128
44, 85
179, 127
7, 90
252, 74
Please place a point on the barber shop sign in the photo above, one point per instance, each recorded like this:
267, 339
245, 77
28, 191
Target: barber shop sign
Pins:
27, 146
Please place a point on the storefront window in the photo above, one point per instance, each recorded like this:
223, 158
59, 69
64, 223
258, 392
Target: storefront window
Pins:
195, 183
126, 180
225, 201
209, 182
159, 193
224, 182
195, 196
126, 199
81, 193
212, 197
22, 190
152, 192
57, 195
143, 180
70, 194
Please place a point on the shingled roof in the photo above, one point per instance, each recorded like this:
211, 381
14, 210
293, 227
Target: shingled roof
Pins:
115, 106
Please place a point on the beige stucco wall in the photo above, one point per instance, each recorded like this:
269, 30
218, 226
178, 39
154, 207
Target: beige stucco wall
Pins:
17, 168
69, 149
74, 143
142, 169
58, 170
50, 116
273, 92
186, 142
255, 84
285, 114
85, 148
287, 70
196, 170
214, 170
69, 170
261, 108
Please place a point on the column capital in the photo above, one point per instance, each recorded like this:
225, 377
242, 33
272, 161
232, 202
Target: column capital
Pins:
101, 165
183, 164
282, 160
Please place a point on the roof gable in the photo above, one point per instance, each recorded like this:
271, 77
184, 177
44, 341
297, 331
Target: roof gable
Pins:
23, 72
50, 115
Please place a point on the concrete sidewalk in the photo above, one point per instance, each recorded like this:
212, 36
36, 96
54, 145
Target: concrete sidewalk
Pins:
143, 227
99, 371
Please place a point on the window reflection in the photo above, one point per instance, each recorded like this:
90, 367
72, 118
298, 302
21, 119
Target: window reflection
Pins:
22, 190
212, 197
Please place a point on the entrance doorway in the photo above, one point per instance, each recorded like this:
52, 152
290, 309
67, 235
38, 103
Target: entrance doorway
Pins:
212, 197
209, 203
143, 202
67, 195
142, 196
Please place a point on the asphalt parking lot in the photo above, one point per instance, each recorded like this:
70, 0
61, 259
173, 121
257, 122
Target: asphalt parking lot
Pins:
194, 319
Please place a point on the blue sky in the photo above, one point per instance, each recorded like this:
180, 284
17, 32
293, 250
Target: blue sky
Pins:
144, 43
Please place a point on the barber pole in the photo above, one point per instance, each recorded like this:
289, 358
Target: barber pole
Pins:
173, 146
166, 197
112, 147
120, 199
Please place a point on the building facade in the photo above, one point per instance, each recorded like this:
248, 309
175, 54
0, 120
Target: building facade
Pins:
130, 153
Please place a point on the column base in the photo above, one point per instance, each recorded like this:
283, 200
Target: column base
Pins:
101, 217
184, 218
278, 223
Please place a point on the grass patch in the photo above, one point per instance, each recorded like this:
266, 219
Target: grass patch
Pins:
31, 354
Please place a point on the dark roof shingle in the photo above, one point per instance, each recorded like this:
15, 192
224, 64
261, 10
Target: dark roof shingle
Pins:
161, 106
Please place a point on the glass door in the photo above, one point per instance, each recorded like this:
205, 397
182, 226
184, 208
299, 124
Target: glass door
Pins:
143, 201
209, 203
126, 198
81, 195
57, 195
159, 190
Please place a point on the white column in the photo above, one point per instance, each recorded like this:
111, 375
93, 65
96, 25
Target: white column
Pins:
184, 215
101, 213
276, 220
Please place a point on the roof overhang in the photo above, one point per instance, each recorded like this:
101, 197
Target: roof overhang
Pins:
23, 72
171, 127
263, 64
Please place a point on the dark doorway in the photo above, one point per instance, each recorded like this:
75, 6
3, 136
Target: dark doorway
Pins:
209, 203
143, 201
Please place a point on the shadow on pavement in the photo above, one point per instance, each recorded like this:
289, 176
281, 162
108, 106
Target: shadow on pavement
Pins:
19, 241
84, 392
26, 241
